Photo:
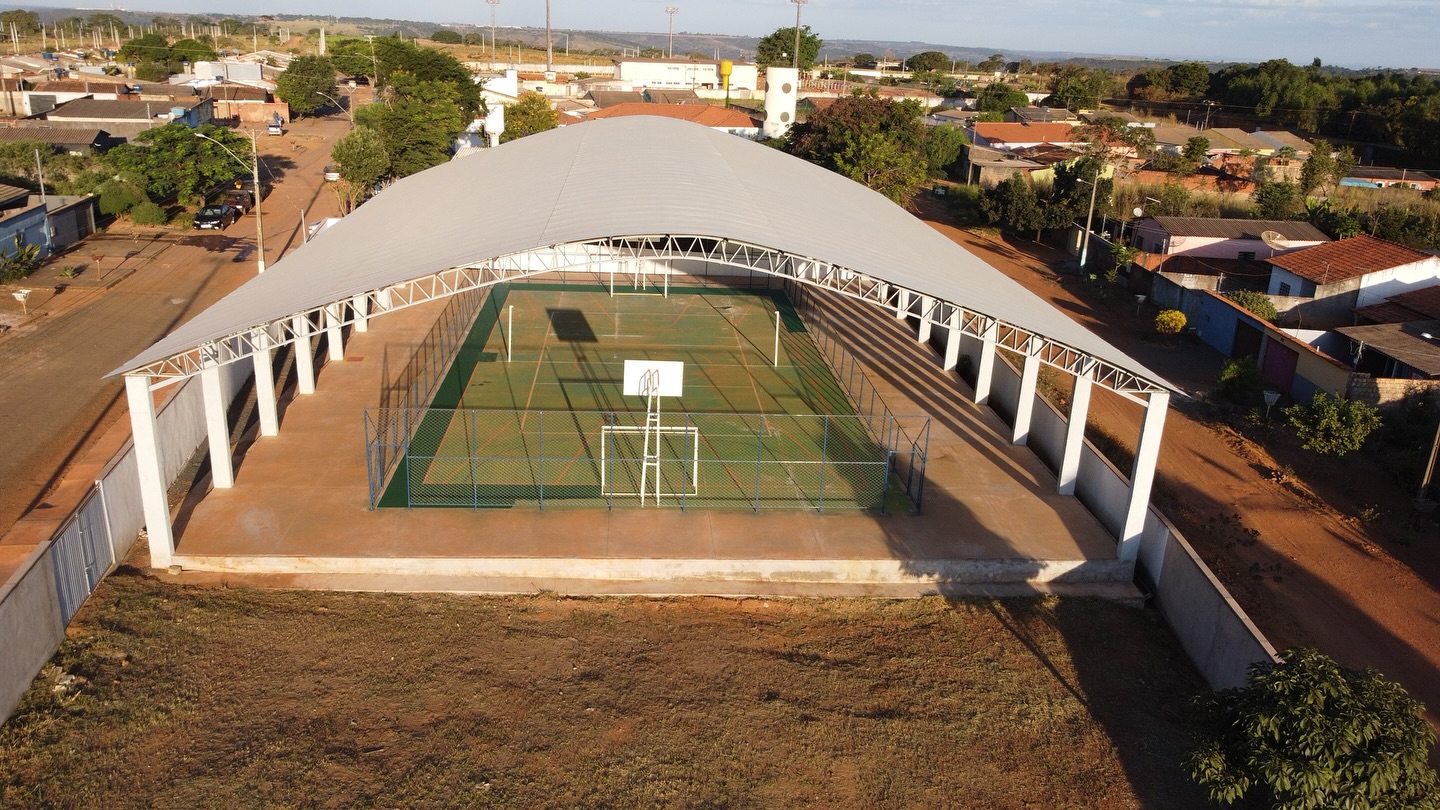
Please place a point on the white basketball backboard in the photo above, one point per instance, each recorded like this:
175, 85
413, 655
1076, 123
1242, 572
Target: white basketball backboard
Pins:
670, 374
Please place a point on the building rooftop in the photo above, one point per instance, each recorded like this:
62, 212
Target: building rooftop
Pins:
1289, 230
1388, 173
1026, 133
702, 114
92, 109
56, 136
1346, 259
1414, 305
1414, 343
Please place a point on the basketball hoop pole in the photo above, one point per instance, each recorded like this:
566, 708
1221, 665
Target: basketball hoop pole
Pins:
510, 330
777, 339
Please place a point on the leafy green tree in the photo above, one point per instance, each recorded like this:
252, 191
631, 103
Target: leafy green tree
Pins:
531, 114
169, 162
418, 125
191, 51
1013, 205
881, 163
1195, 152
26, 22
1257, 303
1188, 79
306, 84
777, 49
943, 146
446, 37
146, 48
362, 158
1333, 426
928, 60
1308, 733
999, 97
1278, 201
150, 71
992, 64
1239, 382
1079, 88
862, 59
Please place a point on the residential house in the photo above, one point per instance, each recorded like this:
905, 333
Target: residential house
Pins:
1325, 283
958, 118
1009, 137
1414, 305
1222, 238
1041, 115
67, 140
1396, 351
129, 118
1386, 177
723, 119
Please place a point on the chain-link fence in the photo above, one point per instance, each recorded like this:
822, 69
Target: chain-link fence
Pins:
495, 458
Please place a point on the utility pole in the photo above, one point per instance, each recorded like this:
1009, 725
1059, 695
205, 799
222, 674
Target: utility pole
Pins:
670, 38
374, 65
798, 5
493, 4
1209, 107
549, 49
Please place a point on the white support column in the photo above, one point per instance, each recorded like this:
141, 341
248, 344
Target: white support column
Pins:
361, 305
927, 305
1075, 434
265, 405
304, 355
334, 340
902, 305
884, 290
217, 426
985, 369
1025, 406
153, 498
952, 342
1142, 477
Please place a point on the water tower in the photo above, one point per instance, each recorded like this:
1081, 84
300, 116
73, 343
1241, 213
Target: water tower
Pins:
782, 89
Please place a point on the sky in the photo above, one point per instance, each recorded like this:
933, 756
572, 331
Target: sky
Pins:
1349, 33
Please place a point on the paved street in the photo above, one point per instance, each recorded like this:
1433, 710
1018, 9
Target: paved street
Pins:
135, 288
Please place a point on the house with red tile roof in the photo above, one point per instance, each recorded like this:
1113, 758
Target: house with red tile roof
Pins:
1327, 282
723, 119
1009, 137
1416, 305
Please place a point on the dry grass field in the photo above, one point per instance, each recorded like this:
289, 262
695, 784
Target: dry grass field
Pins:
169, 695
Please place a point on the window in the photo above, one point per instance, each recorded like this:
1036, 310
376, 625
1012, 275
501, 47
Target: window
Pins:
1247, 255
1284, 288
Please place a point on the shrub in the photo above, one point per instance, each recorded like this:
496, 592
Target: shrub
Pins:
1309, 733
148, 213
446, 37
1239, 382
117, 197
1257, 303
1333, 426
1170, 322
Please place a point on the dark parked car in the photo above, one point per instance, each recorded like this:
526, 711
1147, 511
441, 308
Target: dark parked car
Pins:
216, 217
241, 199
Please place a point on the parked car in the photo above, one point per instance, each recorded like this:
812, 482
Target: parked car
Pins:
241, 199
216, 217
332, 173
275, 129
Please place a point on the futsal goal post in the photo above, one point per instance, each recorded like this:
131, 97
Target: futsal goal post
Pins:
614, 438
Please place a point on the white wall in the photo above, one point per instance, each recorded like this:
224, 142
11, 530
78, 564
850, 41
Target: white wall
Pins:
1376, 287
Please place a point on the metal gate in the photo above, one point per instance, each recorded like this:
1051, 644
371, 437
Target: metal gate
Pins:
82, 555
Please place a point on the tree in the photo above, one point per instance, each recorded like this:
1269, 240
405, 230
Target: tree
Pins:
191, 51
169, 162
833, 138
146, 48
1333, 426
1013, 205
26, 22
1255, 302
999, 97
306, 84
1170, 322
992, 64
418, 125
777, 49
1187, 79
362, 158
862, 60
881, 163
943, 146
1079, 88
1278, 201
1307, 733
1195, 152
531, 114
928, 60
447, 37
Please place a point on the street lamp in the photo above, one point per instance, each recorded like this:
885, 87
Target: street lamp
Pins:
493, 4
254, 167
1089, 218
670, 38
798, 5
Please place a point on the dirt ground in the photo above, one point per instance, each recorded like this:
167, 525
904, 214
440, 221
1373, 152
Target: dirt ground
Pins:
168, 695
1281, 526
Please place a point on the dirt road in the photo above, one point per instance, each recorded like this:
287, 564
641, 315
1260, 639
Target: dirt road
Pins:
1287, 544
54, 398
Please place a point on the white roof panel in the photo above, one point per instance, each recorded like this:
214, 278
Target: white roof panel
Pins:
640, 175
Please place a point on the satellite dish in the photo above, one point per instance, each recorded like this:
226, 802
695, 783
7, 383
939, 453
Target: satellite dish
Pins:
1273, 240
1139, 212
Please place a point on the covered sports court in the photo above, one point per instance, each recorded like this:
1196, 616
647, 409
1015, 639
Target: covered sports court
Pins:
624, 209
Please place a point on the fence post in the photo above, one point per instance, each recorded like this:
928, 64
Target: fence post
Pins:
473, 449
541, 477
824, 459
405, 458
610, 463
759, 459
885, 487
369, 460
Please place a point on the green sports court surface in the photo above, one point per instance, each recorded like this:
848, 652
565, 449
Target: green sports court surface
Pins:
532, 410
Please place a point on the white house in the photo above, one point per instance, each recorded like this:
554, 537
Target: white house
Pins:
1205, 237
683, 73
1328, 282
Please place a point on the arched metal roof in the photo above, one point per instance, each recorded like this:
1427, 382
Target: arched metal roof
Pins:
636, 176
